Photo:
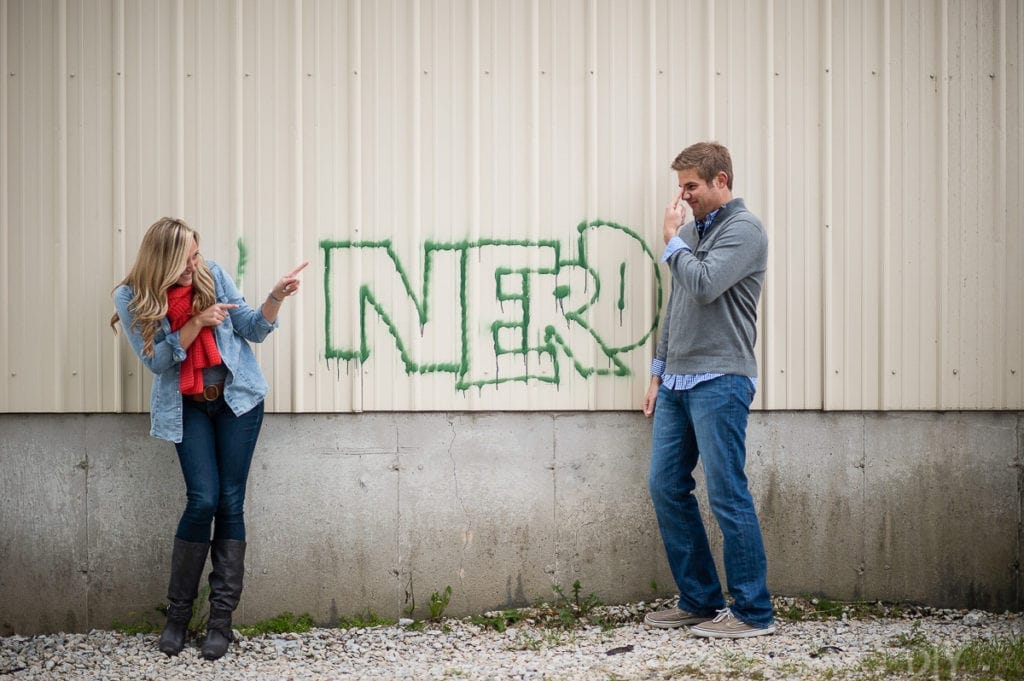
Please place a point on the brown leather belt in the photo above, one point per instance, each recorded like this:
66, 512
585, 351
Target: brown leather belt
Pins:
209, 394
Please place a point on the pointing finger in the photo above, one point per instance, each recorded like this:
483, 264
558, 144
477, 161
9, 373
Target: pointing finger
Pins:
298, 269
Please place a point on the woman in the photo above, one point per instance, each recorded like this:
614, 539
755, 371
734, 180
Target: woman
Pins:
189, 325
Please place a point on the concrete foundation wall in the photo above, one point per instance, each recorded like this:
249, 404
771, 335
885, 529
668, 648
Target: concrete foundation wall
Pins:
375, 511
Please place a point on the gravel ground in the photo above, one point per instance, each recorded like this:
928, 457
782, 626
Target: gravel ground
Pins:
839, 647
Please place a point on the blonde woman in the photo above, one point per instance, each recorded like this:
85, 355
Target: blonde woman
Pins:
189, 325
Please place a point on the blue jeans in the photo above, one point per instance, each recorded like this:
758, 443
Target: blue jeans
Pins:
215, 453
709, 421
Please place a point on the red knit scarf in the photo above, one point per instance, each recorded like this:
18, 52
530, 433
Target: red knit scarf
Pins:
203, 351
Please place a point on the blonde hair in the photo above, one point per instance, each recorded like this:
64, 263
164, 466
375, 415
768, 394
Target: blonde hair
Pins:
162, 258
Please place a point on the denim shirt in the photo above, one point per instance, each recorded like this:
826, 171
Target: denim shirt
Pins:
244, 386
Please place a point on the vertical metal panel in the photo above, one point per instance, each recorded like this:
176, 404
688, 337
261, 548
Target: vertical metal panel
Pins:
859, 214
1013, 213
443, 156
977, 283
912, 309
88, 371
935, 144
791, 308
5, 214
35, 85
115, 374
60, 217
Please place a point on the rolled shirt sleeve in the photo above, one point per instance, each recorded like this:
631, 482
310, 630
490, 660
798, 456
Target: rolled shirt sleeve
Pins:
674, 245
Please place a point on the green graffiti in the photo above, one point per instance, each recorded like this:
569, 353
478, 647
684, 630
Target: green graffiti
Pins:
621, 304
521, 334
242, 260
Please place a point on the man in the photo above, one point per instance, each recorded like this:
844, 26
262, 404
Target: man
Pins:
703, 380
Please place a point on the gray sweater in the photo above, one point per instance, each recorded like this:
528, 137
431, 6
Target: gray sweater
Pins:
710, 321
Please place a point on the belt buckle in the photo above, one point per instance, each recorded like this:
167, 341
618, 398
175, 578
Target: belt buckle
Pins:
211, 392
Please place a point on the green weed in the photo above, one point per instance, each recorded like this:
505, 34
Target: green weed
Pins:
439, 603
139, 623
499, 621
200, 612
569, 611
739, 665
285, 623
1002, 658
364, 620
686, 671
817, 608
997, 660
143, 623
551, 639
914, 639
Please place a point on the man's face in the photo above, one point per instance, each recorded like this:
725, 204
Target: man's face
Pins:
702, 197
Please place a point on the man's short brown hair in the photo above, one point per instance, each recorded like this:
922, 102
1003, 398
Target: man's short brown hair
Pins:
708, 159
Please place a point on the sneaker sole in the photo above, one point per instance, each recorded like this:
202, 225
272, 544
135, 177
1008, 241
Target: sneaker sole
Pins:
748, 633
689, 621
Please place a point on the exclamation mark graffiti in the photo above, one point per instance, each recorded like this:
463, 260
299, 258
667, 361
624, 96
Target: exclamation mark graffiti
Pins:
622, 290
240, 272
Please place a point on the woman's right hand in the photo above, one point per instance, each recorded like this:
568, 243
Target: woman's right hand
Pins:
214, 315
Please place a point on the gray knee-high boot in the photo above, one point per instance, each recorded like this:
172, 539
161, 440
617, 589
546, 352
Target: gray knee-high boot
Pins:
228, 558
187, 561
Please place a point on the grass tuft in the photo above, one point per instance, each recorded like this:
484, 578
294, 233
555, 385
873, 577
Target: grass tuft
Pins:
499, 620
365, 620
819, 608
285, 623
138, 623
996, 660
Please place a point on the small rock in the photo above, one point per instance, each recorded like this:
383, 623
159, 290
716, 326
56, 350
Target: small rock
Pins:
285, 646
974, 618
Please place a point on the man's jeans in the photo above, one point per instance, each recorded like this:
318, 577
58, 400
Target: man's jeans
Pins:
215, 453
709, 421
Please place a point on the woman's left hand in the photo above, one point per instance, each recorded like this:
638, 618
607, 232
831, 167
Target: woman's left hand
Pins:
288, 285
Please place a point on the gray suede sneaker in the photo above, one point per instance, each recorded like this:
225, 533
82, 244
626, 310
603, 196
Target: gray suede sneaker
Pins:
725, 625
672, 618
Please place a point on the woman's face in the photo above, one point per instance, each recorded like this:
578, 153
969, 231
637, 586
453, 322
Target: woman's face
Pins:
190, 265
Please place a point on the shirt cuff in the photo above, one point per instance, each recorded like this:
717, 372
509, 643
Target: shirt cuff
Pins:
174, 342
657, 367
674, 245
263, 323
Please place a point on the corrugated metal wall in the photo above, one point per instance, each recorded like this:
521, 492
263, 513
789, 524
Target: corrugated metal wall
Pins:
479, 186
